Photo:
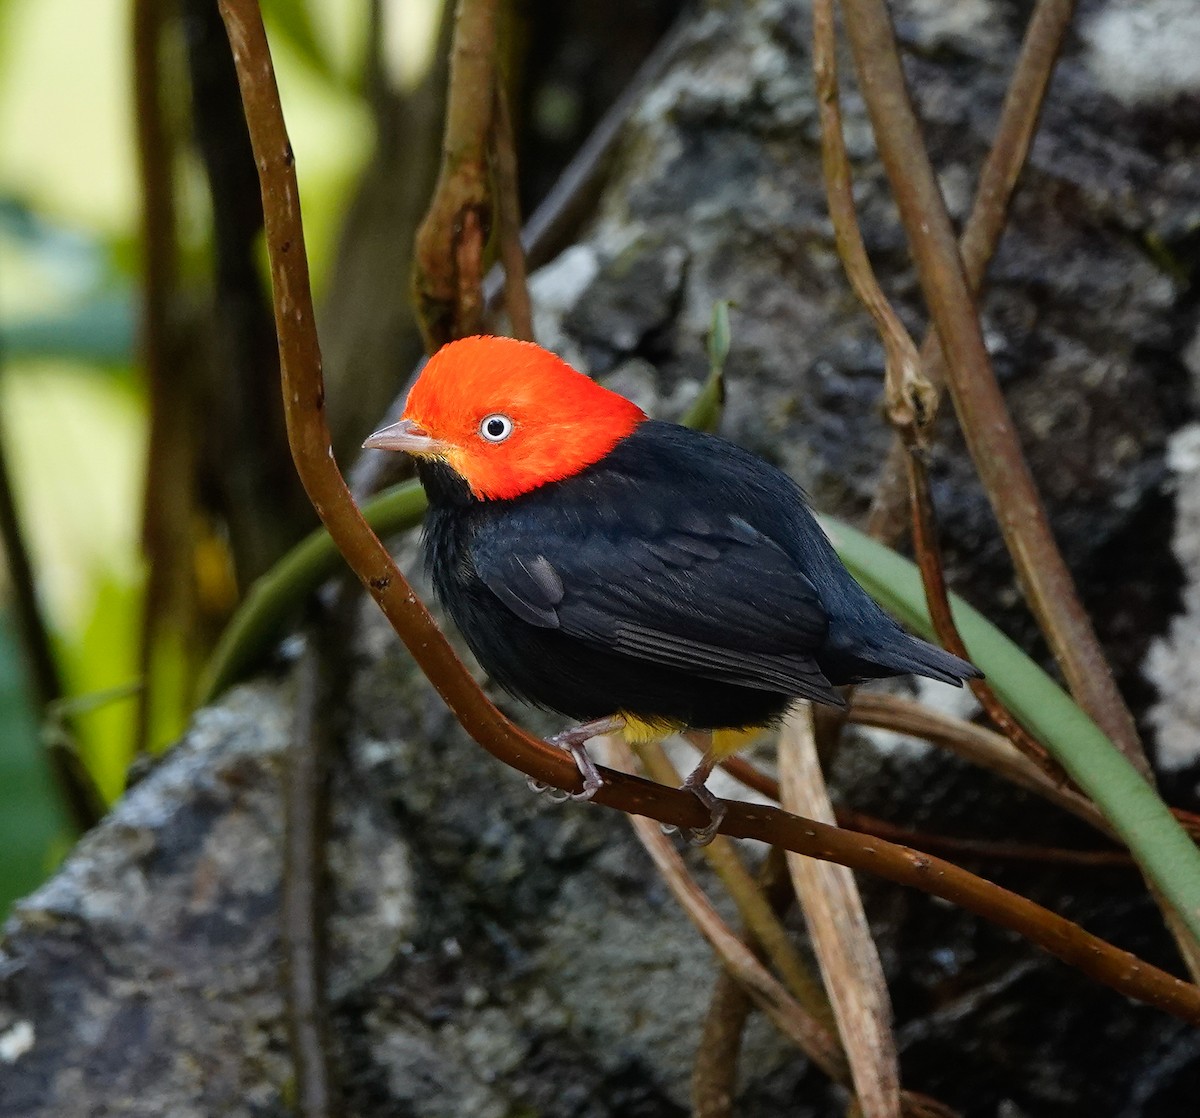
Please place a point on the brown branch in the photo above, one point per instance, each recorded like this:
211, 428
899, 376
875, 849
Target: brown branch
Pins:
448, 262
954, 846
508, 219
983, 414
740, 963
714, 1069
758, 916
303, 393
976, 744
989, 215
748, 774
800, 1026
909, 397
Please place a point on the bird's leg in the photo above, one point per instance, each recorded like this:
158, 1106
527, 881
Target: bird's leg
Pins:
695, 782
574, 741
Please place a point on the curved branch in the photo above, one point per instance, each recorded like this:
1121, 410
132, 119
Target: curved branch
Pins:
308, 433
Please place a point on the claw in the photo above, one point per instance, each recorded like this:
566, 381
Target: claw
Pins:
574, 741
695, 783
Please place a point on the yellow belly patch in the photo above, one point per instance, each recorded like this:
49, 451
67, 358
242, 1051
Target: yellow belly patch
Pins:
641, 731
726, 742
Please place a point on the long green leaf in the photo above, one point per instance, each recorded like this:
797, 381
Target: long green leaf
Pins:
274, 598
1161, 846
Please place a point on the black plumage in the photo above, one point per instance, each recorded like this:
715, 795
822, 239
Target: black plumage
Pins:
679, 579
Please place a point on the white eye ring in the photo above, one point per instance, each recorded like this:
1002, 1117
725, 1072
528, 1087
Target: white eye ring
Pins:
495, 428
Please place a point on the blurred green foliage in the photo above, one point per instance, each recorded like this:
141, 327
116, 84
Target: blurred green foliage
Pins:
33, 826
73, 409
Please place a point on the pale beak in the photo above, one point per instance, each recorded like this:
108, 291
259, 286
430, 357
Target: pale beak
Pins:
405, 436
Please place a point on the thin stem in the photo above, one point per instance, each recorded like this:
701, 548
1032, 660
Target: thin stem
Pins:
166, 518
837, 927
928, 554
793, 1020
714, 1069
983, 414
989, 215
909, 397
759, 917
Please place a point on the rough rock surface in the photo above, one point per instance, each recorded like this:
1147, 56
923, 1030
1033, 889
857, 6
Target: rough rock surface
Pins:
495, 954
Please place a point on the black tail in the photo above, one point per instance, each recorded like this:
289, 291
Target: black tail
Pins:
901, 654
919, 657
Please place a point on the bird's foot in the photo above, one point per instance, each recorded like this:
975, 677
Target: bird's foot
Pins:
695, 783
701, 836
574, 741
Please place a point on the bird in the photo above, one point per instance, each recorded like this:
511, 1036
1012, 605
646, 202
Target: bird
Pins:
629, 573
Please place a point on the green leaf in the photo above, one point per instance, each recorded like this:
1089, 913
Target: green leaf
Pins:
275, 597
1159, 844
34, 830
705, 412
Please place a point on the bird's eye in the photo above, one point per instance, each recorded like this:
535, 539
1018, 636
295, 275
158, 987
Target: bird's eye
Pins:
495, 428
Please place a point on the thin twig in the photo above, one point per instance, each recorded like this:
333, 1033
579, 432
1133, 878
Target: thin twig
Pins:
928, 553
948, 845
166, 515
983, 413
955, 847
911, 398
308, 433
976, 744
759, 917
793, 1020
714, 1069
740, 963
508, 218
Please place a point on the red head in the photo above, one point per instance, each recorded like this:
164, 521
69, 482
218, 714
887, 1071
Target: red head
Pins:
508, 416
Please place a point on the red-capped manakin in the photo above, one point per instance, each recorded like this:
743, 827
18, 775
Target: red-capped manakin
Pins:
629, 573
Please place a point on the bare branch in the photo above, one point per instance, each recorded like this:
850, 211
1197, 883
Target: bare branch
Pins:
983, 414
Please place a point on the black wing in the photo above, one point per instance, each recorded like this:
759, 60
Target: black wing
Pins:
703, 592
